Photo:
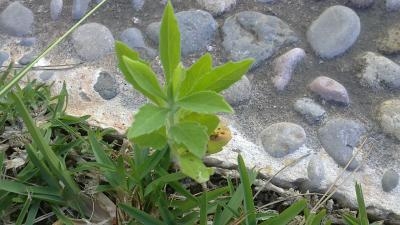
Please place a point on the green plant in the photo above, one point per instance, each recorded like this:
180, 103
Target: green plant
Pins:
181, 114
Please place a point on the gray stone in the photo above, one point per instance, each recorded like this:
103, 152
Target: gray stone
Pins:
197, 29
106, 86
390, 180
334, 31
92, 41
284, 67
378, 72
281, 139
16, 20
311, 111
339, 137
79, 8
55, 9
46, 75
390, 43
134, 39
253, 34
389, 117
239, 92
315, 171
28, 42
362, 3
3, 57
392, 5
216, 7
27, 58
137, 4
329, 90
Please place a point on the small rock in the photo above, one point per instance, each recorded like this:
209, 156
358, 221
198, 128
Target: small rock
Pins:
390, 180
378, 72
281, 139
239, 92
27, 58
84, 96
315, 171
106, 86
27, 42
329, 90
46, 75
216, 7
339, 137
390, 44
334, 31
284, 67
55, 9
79, 8
16, 20
134, 39
255, 35
392, 5
312, 112
388, 116
137, 4
3, 57
362, 3
197, 29
92, 41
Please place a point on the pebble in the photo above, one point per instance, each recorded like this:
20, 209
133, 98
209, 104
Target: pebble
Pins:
92, 41
46, 75
315, 171
253, 34
362, 3
329, 90
311, 111
239, 92
389, 117
106, 86
390, 44
55, 9
392, 5
79, 8
216, 7
137, 4
390, 180
281, 139
16, 20
378, 72
133, 37
27, 58
3, 57
27, 42
284, 67
339, 137
334, 31
197, 28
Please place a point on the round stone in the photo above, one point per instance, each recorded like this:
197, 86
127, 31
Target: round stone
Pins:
137, 4
216, 7
339, 137
361, 3
390, 44
55, 9
390, 180
28, 42
16, 19
133, 37
281, 139
255, 35
315, 171
389, 117
46, 75
239, 92
79, 8
3, 57
392, 5
27, 58
92, 41
334, 31
311, 111
329, 90
106, 86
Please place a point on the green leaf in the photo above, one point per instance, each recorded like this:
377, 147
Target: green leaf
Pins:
205, 102
30, 218
203, 209
170, 42
23, 211
315, 219
288, 214
161, 181
209, 120
249, 209
149, 118
222, 77
142, 77
140, 216
163, 208
192, 135
350, 220
177, 78
362, 211
194, 167
202, 66
156, 139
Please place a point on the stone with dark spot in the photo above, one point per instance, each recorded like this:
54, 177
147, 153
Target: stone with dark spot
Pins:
390, 180
16, 20
106, 86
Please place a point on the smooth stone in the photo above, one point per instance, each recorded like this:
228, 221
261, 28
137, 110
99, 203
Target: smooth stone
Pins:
392, 5
238, 93
378, 72
390, 44
316, 171
197, 29
362, 3
137, 4
339, 137
106, 86
329, 90
281, 139
255, 35
133, 37
55, 9
390, 180
27, 42
3, 57
334, 31
27, 58
92, 41
311, 111
84, 96
17, 20
389, 117
284, 67
79, 8
216, 7
46, 75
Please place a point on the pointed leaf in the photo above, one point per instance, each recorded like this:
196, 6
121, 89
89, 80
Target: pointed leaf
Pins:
362, 211
194, 167
192, 135
249, 209
202, 66
170, 42
148, 119
205, 102
178, 76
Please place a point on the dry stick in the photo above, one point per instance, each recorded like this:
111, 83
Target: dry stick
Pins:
50, 67
287, 198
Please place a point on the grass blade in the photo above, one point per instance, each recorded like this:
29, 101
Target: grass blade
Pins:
30, 218
249, 209
165, 213
350, 220
362, 211
24, 211
203, 209
140, 216
288, 214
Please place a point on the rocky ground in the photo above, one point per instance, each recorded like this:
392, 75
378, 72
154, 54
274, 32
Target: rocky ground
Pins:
325, 85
